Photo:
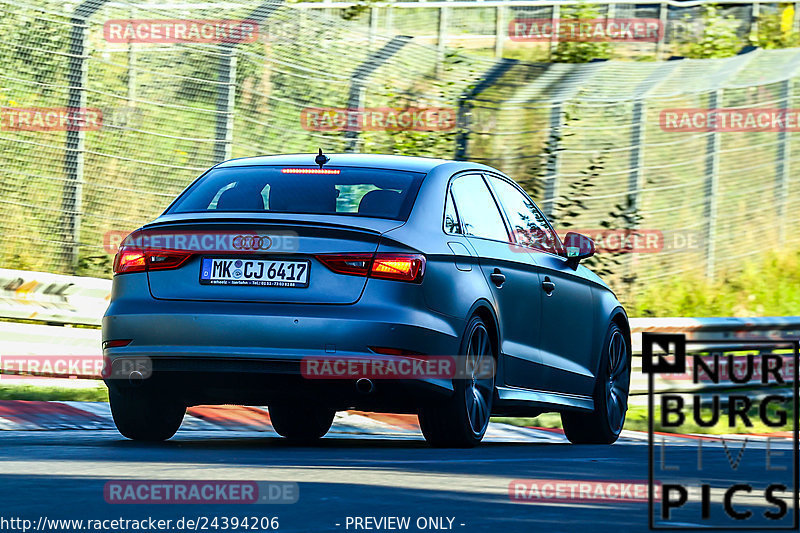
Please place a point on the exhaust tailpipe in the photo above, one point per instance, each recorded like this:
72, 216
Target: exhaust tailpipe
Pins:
364, 386
135, 378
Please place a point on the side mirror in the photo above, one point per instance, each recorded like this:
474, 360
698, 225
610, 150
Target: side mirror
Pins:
577, 247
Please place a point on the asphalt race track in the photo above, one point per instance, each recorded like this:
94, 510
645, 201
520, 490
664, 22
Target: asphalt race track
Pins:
62, 474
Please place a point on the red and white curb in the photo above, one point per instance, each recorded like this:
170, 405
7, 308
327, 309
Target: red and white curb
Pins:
19, 415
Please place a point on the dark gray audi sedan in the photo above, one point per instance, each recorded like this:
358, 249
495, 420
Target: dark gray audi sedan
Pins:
317, 283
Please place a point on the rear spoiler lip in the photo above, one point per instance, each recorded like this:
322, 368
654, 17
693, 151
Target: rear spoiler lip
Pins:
351, 223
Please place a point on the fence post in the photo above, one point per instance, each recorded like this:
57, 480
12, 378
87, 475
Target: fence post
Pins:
783, 164
556, 13
77, 79
226, 87
441, 39
355, 99
132, 67
226, 102
500, 30
465, 104
373, 26
553, 159
639, 121
754, 14
635, 177
796, 22
712, 187
663, 17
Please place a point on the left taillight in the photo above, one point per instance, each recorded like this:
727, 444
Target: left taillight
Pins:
134, 260
397, 267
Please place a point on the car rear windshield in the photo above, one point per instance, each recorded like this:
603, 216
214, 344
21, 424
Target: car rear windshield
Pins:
338, 191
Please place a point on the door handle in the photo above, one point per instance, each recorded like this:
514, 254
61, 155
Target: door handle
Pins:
497, 277
548, 286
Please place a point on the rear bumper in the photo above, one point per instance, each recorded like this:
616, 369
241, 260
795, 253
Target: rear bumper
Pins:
249, 353
262, 381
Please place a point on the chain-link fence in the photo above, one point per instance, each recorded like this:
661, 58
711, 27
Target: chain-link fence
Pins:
488, 27
602, 146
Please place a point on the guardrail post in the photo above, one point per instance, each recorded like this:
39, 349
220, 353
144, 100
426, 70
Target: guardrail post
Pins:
77, 79
711, 188
226, 87
355, 99
783, 163
500, 30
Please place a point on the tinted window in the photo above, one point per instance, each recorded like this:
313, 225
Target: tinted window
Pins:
451, 224
527, 223
477, 208
346, 191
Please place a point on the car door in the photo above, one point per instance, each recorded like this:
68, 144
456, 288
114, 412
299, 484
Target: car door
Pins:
565, 298
511, 276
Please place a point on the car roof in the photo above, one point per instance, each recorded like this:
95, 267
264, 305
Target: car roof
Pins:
389, 162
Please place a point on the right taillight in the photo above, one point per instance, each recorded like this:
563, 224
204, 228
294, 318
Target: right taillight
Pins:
400, 267
397, 267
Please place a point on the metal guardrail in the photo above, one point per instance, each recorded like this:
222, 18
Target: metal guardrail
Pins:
52, 298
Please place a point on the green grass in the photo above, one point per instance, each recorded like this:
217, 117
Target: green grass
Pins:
766, 286
63, 394
636, 420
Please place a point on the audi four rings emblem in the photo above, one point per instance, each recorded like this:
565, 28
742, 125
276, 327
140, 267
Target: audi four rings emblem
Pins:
251, 242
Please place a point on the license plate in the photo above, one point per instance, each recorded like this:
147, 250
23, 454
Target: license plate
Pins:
261, 272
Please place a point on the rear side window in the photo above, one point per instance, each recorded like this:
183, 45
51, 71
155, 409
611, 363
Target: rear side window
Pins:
340, 191
451, 224
477, 208
527, 223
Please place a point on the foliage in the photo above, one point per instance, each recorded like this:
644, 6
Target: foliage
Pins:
765, 286
580, 51
54, 394
357, 9
719, 36
774, 32
636, 420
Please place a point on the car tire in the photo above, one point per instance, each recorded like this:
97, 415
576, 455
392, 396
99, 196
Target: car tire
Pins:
604, 424
301, 423
461, 421
146, 416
